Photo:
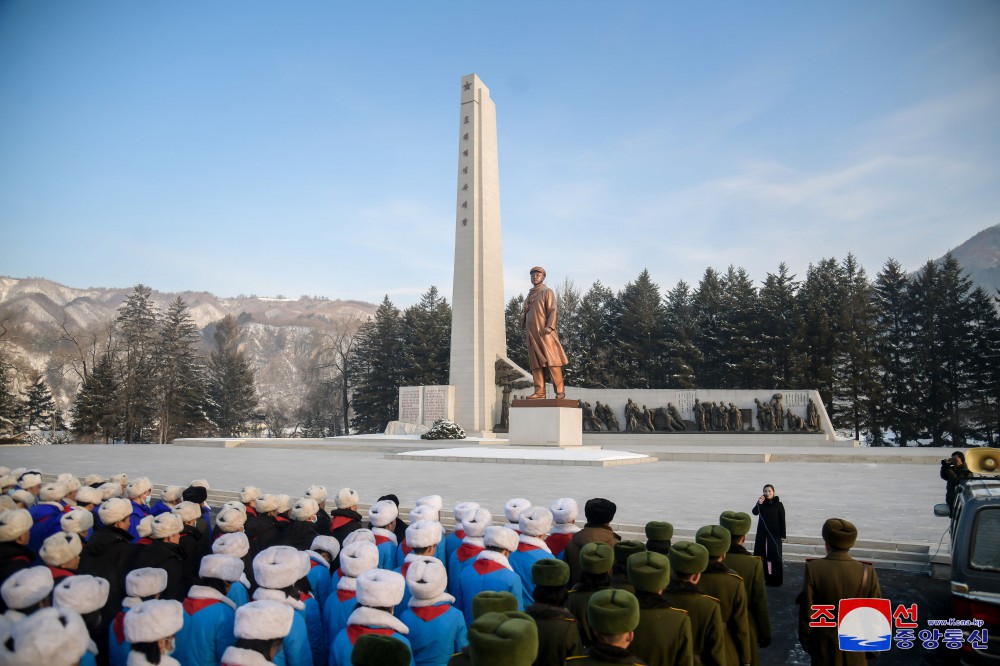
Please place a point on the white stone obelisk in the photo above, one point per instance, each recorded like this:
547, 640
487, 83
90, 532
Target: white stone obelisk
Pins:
478, 331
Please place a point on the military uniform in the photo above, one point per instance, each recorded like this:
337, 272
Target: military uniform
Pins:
605, 654
707, 630
726, 585
576, 604
558, 636
663, 637
837, 576
751, 569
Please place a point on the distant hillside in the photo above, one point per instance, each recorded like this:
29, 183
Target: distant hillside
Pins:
980, 255
276, 331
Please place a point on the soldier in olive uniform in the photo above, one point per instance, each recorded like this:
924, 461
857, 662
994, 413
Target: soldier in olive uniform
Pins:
837, 576
663, 637
619, 573
658, 536
688, 561
558, 637
487, 601
751, 569
596, 560
727, 586
614, 615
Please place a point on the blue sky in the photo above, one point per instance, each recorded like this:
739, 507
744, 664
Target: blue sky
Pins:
310, 147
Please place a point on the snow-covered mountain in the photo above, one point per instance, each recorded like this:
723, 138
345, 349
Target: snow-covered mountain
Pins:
980, 255
276, 331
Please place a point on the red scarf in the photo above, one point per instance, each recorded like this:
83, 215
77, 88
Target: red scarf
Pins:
430, 613
346, 595
119, 627
192, 606
356, 631
557, 542
467, 551
484, 566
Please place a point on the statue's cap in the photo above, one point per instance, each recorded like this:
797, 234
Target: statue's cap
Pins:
537, 269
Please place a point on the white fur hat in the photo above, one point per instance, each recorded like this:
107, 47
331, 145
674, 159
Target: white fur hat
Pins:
121, 479
152, 620
18, 471
239, 506
188, 511
379, 588
267, 503
235, 544
24, 497
114, 510
346, 498
52, 492
382, 513
138, 486
109, 490
279, 567
263, 620
426, 577
166, 525
223, 567
424, 512
60, 548
250, 493
514, 507
475, 524
172, 494
88, 495
564, 510
201, 483
317, 493
29, 480
7, 480
91, 479
536, 521
26, 587
423, 534
327, 544
145, 582
14, 523
431, 500
230, 520
284, 503
7, 503
83, 594
360, 536
501, 537
145, 527
357, 558
463, 509
80, 521
50, 636
71, 482
304, 509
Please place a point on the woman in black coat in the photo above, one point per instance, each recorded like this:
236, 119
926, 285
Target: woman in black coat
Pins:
770, 533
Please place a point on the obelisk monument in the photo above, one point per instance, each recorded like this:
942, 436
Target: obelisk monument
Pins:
478, 332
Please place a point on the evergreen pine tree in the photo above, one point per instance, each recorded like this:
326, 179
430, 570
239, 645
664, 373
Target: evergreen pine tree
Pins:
709, 312
376, 369
819, 302
740, 330
136, 325
516, 349
97, 410
778, 328
893, 354
8, 401
230, 381
598, 338
568, 327
642, 349
682, 354
427, 341
856, 386
982, 413
38, 408
182, 399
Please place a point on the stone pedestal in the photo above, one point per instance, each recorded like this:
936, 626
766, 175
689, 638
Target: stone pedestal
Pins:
535, 423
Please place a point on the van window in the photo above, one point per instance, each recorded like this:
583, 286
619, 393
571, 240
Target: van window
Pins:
986, 541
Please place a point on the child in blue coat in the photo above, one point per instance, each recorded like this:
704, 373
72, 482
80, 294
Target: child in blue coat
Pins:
491, 570
378, 592
437, 628
209, 613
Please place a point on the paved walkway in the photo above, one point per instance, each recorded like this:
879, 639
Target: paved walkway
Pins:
888, 501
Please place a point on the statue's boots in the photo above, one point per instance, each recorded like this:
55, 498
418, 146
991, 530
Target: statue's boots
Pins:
557, 382
538, 378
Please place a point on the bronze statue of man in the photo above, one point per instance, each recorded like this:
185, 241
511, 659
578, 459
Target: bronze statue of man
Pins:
544, 349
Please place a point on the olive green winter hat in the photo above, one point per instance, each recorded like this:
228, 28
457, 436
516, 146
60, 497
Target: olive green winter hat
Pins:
612, 612
688, 558
550, 573
715, 538
649, 572
839, 533
503, 639
378, 650
737, 522
626, 549
658, 530
493, 602
597, 558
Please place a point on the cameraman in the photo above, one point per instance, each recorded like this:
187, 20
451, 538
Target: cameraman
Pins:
953, 471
